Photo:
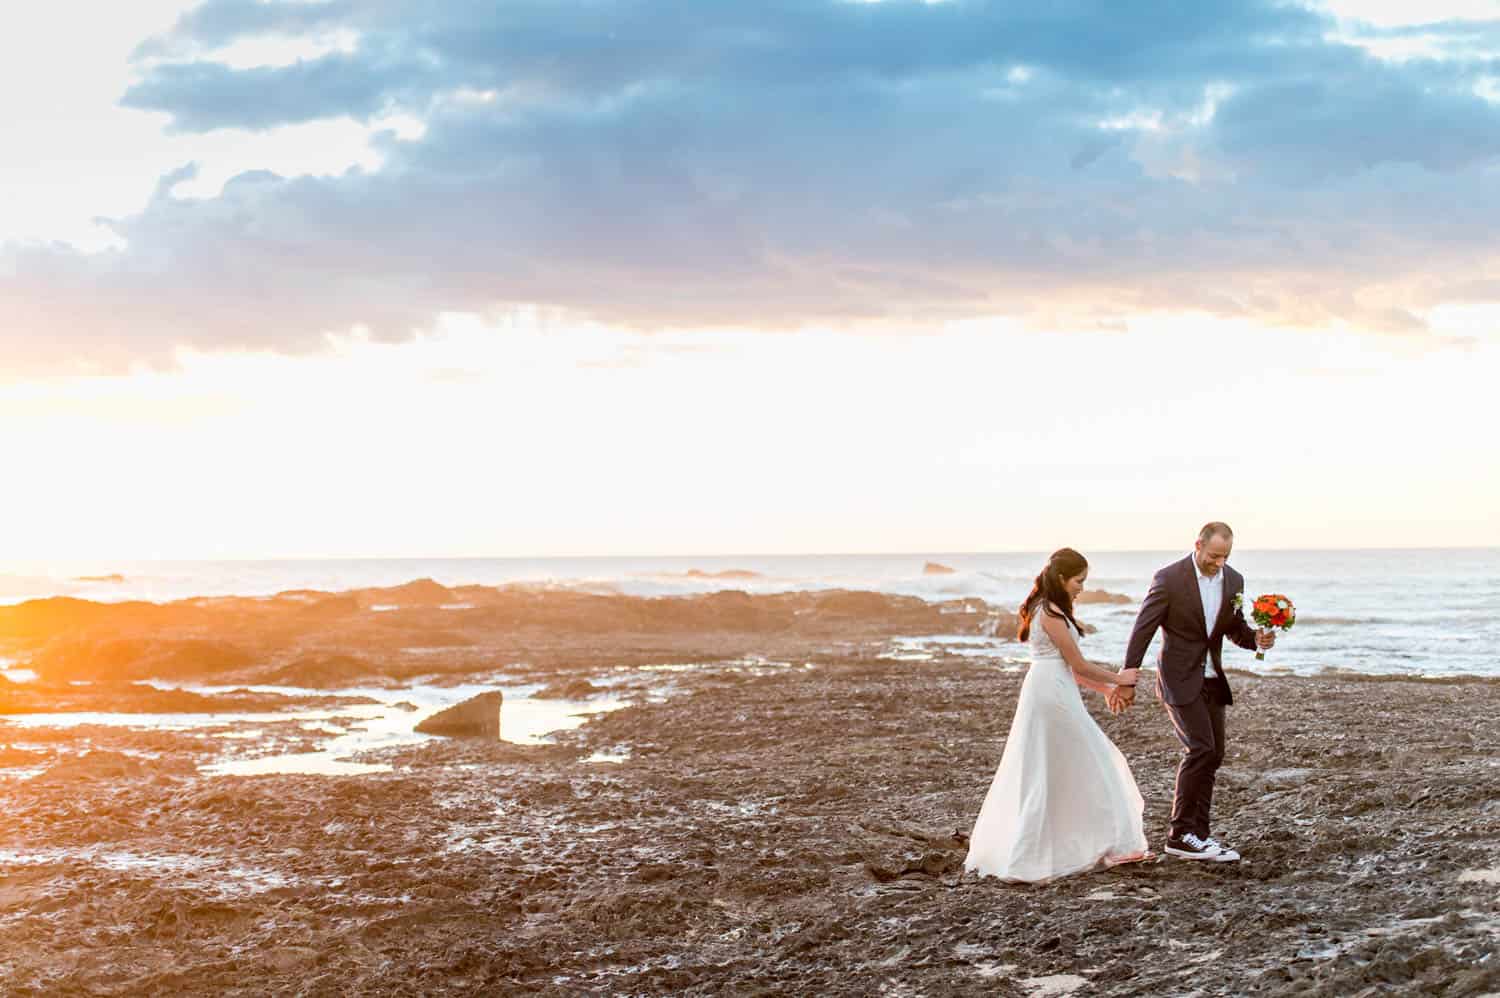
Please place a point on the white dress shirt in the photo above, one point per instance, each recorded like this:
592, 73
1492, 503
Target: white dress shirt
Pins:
1211, 591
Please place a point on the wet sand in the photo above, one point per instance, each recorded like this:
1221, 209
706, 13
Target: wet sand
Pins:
792, 823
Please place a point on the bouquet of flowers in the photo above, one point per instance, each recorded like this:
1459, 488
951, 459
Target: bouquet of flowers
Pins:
1271, 612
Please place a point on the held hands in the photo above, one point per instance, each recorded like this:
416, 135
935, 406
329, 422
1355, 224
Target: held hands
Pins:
1122, 695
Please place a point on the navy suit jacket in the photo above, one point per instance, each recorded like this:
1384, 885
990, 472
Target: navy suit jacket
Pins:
1175, 606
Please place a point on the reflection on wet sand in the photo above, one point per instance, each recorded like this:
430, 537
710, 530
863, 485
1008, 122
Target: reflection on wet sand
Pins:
523, 721
387, 723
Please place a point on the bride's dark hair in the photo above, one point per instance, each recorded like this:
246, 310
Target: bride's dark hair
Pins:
1048, 590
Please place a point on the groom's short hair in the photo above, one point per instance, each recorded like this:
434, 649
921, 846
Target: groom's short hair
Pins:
1215, 529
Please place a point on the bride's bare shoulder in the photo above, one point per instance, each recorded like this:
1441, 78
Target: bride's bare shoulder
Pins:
1055, 621
1050, 614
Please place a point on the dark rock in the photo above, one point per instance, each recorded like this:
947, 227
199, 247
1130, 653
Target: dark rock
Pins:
13, 758
37, 620
139, 698
571, 689
936, 568
478, 716
855, 603
322, 670
1100, 596
96, 765
322, 606
302, 595
422, 592
900, 849
137, 658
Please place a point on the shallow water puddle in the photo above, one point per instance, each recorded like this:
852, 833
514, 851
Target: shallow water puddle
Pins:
925, 648
184, 722
530, 722
523, 721
1403, 925
226, 877
326, 763
986, 968
388, 723
991, 970
1053, 984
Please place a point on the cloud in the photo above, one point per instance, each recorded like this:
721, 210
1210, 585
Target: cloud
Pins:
260, 98
669, 163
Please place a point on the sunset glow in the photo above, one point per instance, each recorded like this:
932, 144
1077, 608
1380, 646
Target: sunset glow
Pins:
316, 327
719, 497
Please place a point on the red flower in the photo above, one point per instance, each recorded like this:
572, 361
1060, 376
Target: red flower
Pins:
1266, 612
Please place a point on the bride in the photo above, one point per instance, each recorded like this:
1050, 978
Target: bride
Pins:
1063, 800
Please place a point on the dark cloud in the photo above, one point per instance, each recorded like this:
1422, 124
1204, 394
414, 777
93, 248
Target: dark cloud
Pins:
261, 98
219, 22
1309, 128
590, 48
673, 162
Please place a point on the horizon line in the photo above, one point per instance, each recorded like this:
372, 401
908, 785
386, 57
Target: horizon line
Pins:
924, 552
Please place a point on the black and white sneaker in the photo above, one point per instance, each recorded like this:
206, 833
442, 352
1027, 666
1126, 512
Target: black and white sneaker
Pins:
1226, 854
1191, 846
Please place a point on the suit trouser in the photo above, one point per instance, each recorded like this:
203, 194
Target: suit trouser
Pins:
1200, 729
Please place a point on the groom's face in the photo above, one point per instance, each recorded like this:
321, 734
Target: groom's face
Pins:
1213, 553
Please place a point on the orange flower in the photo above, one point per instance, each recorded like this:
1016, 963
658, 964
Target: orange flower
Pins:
1273, 610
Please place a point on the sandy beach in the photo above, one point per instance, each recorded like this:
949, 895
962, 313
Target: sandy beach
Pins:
777, 804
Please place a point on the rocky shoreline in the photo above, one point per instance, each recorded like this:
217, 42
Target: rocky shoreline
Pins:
392, 635
789, 817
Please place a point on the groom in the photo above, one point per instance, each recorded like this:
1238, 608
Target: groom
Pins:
1193, 603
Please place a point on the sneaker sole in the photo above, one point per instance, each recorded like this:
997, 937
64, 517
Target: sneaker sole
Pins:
1202, 857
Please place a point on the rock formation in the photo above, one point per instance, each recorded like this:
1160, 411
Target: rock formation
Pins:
568, 689
1100, 596
478, 716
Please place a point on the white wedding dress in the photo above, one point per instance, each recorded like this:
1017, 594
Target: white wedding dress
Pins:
1063, 800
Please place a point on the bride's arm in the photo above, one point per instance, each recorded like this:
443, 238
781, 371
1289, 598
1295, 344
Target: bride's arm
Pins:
1085, 673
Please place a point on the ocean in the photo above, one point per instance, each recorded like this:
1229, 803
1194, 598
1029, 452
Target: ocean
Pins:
1428, 612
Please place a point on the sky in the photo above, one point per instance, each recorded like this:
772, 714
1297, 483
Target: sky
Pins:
332, 278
